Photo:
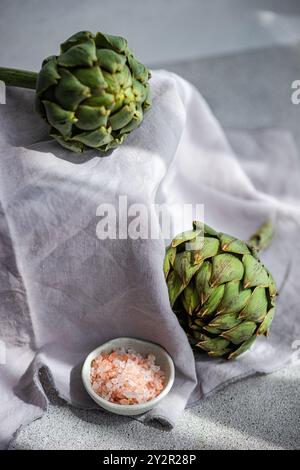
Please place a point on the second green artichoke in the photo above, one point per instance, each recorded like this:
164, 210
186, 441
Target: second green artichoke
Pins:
94, 93
222, 294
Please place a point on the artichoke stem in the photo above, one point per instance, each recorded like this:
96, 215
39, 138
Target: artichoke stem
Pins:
18, 78
262, 238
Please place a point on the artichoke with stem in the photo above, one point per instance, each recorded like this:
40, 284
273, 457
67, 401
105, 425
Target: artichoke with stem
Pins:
93, 94
222, 294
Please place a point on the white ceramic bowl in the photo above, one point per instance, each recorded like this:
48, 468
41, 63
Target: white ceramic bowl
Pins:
163, 359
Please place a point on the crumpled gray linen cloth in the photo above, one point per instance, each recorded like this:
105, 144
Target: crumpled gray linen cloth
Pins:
63, 291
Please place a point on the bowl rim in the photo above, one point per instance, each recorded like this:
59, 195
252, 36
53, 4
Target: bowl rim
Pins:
115, 406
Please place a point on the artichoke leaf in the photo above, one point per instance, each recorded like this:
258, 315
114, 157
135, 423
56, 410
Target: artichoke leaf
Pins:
139, 71
226, 268
208, 247
272, 286
265, 325
82, 54
190, 299
135, 122
110, 60
226, 321
233, 245
256, 307
183, 267
169, 260
48, 75
212, 330
242, 348
91, 77
202, 279
139, 91
122, 117
255, 272
103, 99
109, 41
241, 332
213, 301
234, 299
95, 138
59, 118
148, 101
175, 287
124, 77
213, 344
69, 91
206, 229
184, 237
75, 39
76, 147
90, 118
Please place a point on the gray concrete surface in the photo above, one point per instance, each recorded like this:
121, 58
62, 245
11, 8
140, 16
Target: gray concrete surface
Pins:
158, 30
250, 89
245, 57
257, 413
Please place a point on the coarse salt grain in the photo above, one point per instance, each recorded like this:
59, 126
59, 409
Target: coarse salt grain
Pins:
126, 377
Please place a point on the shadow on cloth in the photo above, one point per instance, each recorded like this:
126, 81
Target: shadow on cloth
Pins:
23, 127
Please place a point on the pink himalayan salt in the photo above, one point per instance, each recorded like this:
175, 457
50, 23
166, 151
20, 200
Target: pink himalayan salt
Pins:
126, 377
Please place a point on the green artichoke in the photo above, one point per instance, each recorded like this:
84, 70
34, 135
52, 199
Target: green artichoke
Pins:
93, 94
222, 294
